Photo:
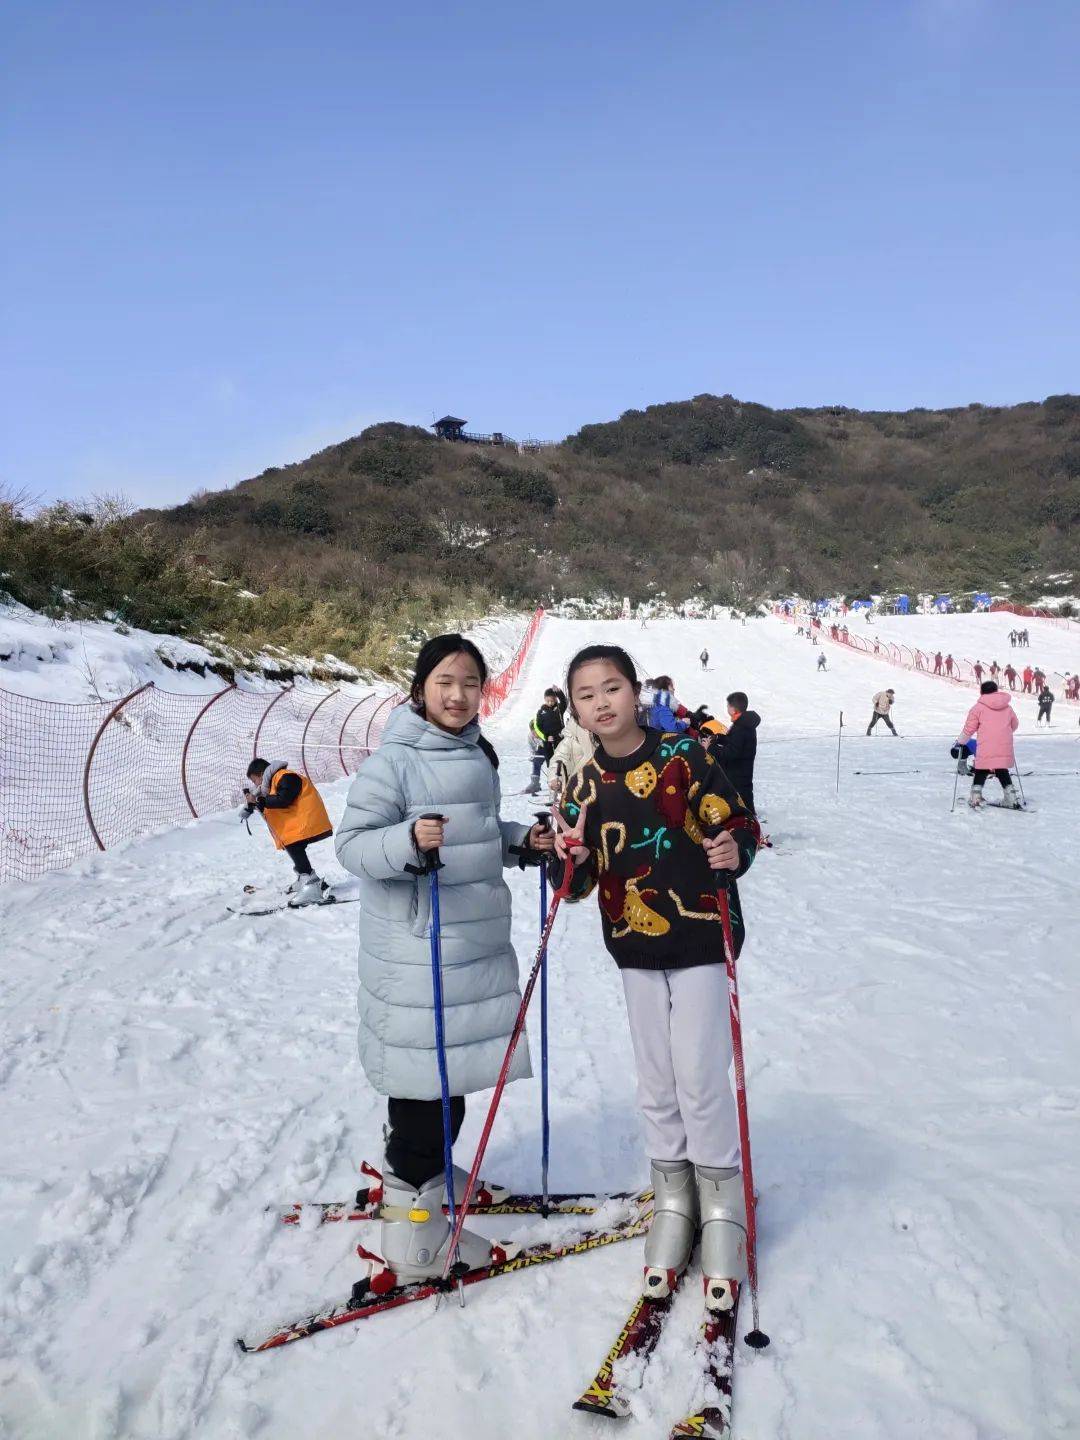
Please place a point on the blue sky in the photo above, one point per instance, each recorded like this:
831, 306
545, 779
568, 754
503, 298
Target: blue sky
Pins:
237, 232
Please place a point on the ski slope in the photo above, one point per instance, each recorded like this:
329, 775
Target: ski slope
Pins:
909, 998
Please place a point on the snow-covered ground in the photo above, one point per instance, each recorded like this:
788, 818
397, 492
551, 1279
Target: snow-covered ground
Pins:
168, 1069
985, 636
75, 660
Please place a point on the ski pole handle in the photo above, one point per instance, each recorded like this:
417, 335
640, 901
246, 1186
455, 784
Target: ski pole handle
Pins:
431, 858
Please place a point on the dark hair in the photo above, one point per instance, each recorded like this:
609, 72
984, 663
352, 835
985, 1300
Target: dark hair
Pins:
257, 767
738, 699
664, 682
560, 698
988, 687
615, 653
433, 653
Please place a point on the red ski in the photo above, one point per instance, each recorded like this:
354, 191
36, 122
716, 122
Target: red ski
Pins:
364, 1302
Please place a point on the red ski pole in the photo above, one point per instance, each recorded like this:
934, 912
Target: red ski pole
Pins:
500, 1084
756, 1338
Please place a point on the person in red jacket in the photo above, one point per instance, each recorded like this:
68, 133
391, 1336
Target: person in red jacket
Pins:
1029, 676
1010, 675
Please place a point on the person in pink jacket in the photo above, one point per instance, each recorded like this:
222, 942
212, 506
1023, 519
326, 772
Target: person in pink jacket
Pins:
992, 721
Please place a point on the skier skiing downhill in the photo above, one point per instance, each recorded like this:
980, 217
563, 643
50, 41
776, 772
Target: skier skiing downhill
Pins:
1046, 704
296, 818
433, 760
704, 658
641, 809
993, 720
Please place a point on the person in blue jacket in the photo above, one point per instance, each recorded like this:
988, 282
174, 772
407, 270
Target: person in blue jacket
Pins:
664, 712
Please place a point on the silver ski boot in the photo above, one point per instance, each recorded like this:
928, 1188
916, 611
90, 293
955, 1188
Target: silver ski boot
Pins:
723, 1234
310, 891
1010, 800
670, 1240
975, 799
415, 1234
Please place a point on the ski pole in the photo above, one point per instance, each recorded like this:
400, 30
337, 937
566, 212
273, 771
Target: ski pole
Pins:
500, 1084
431, 867
1016, 772
755, 1338
545, 1121
955, 784
839, 737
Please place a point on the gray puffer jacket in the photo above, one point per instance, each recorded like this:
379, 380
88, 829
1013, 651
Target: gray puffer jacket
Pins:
417, 769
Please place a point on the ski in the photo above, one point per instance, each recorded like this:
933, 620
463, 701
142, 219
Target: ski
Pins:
635, 1342
367, 1201
716, 1349
364, 1302
255, 903
997, 805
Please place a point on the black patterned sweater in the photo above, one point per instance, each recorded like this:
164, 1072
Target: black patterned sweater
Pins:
645, 817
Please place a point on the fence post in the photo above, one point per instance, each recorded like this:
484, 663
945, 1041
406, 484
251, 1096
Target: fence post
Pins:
187, 745
303, 737
390, 700
93, 750
258, 729
341, 733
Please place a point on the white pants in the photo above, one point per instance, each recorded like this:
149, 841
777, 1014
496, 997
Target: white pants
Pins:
681, 1033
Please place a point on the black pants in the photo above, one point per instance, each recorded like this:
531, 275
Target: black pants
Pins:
297, 853
414, 1147
1043, 710
879, 716
1003, 776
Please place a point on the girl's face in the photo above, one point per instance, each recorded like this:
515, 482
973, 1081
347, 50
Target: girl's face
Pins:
452, 692
604, 700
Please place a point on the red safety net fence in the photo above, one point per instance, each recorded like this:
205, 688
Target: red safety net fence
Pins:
952, 668
500, 686
75, 778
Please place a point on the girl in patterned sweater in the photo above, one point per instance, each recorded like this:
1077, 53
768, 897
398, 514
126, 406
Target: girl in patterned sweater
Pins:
654, 825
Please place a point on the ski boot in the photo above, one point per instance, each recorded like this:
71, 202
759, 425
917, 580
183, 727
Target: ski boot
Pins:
723, 1234
670, 1240
310, 891
533, 787
975, 799
485, 1192
1010, 800
415, 1234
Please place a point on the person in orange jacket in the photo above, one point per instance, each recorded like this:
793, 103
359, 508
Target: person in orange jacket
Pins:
296, 818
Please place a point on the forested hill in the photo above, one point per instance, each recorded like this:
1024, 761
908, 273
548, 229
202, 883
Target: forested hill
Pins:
709, 495
365, 546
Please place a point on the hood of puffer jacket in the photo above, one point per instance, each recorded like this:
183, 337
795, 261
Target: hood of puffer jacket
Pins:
406, 727
273, 768
750, 718
996, 700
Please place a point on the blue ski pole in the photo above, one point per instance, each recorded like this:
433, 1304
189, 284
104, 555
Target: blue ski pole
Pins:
431, 867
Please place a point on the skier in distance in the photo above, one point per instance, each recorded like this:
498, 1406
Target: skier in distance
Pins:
883, 703
992, 720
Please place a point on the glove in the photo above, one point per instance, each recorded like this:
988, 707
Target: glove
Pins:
245, 812
956, 751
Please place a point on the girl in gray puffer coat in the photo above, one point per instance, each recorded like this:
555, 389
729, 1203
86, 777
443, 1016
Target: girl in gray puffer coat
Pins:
432, 759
